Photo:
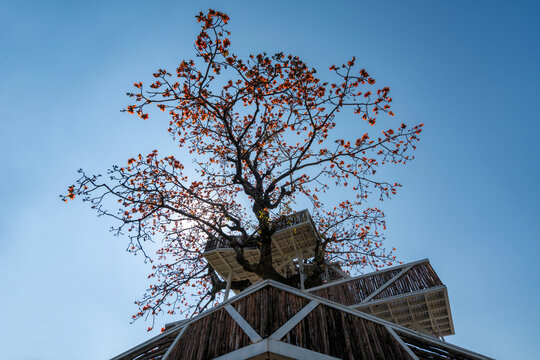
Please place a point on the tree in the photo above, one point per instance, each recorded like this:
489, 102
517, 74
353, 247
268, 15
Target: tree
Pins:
260, 133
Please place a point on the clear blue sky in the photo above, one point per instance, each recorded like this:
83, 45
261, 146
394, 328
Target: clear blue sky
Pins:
469, 70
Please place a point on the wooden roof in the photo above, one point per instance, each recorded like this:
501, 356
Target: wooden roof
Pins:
270, 320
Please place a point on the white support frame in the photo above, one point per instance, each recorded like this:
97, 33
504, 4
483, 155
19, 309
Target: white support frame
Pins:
279, 250
368, 274
275, 347
358, 313
399, 296
386, 284
288, 350
402, 343
170, 349
253, 335
148, 342
449, 311
434, 322
424, 293
292, 322
301, 268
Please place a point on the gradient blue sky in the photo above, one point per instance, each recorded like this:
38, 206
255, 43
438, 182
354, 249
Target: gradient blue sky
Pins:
469, 70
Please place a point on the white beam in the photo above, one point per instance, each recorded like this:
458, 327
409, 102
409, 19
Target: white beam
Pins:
301, 267
386, 284
292, 322
434, 323
449, 311
369, 274
305, 294
253, 335
402, 343
295, 352
399, 297
146, 343
276, 348
169, 351
246, 352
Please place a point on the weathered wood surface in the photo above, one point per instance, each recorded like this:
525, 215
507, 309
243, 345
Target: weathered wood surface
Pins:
154, 348
333, 332
212, 336
420, 276
320, 326
269, 308
426, 350
354, 291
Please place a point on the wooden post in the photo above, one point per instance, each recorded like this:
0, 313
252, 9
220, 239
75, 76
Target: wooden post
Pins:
229, 278
301, 264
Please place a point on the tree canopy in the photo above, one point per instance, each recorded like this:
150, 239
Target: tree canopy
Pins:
260, 133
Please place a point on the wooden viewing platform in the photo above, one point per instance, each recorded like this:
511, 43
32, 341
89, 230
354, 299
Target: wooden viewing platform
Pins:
295, 239
401, 312
270, 320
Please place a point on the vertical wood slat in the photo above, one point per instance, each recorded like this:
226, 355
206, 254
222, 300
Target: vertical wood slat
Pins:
354, 291
386, 284
269, 309
253, 335
402, 343
345, 336
171, 351
419, 277
293, 321
328, 330
212, 336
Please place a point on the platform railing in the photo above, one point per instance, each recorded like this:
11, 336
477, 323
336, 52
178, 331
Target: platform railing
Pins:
284, 223
297, 218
